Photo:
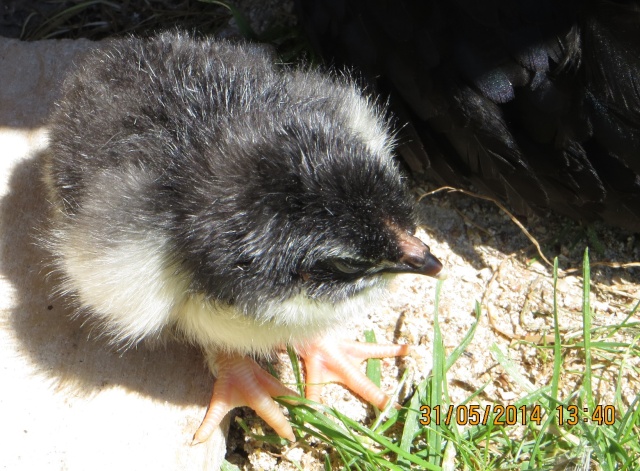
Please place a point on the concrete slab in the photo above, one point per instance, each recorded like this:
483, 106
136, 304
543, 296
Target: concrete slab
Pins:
69, 401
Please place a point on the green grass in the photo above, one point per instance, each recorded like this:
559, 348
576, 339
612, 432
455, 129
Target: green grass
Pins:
99, 19
402, 439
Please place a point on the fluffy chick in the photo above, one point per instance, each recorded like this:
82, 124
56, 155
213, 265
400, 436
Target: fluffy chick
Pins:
200, 189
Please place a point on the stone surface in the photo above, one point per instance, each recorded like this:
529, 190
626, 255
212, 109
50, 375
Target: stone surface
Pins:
69, 400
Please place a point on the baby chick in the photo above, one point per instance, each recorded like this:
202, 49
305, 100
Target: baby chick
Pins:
197, 188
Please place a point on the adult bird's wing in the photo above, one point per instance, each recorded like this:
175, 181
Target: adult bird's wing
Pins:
534, 102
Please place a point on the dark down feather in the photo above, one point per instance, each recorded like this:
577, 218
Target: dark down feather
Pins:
535, 102
253, 174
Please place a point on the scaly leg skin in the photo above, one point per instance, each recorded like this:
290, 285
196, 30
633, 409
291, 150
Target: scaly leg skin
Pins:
242, 382
329, 360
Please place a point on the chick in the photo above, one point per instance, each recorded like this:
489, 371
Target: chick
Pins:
199, 189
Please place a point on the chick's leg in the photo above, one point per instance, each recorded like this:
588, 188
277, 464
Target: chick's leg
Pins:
328, 360
242, 382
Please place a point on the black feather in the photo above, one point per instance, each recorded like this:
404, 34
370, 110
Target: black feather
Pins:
535, 102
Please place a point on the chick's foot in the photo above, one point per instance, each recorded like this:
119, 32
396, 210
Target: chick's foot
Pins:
242, 382
328, 360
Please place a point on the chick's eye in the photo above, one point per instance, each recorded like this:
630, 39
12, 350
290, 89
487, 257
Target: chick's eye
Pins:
350, 267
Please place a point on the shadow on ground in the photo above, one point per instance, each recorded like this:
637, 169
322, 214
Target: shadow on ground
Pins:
63, 349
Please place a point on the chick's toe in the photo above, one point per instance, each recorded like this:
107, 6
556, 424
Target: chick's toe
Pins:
329, 360
242, 382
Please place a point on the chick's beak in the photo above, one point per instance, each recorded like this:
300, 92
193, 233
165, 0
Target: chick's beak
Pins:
416, 258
